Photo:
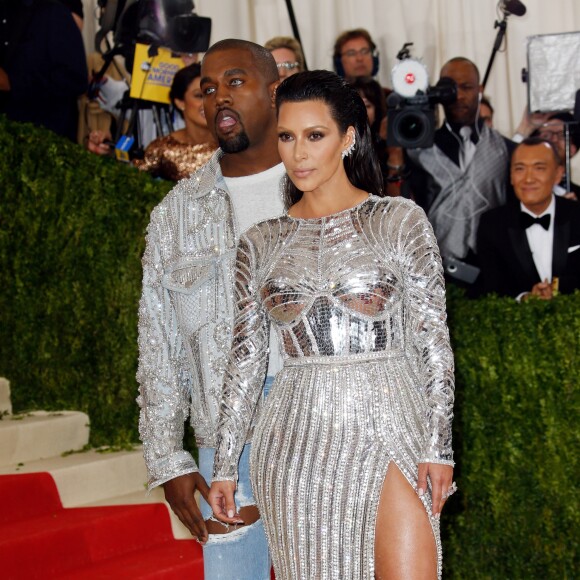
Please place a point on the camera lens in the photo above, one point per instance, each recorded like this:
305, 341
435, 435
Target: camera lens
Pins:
411, 126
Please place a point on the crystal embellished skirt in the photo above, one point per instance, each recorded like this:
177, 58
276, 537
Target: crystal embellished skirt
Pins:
320, 454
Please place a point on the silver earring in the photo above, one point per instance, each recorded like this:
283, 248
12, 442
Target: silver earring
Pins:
350, 148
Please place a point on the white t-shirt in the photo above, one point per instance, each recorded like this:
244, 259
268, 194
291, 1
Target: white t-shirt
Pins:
257, 198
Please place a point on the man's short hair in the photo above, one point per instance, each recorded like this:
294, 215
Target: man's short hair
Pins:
347, 35
264, 60
533, 142
291, 44
465, 60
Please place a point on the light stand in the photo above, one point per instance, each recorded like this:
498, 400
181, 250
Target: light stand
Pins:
295, 30
502, 26
568, 156
508, 7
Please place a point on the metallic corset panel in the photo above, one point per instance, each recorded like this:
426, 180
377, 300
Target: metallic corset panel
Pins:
171, 159
358, 302
185, 317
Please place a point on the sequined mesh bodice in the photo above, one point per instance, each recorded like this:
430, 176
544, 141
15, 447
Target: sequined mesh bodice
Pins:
328, 292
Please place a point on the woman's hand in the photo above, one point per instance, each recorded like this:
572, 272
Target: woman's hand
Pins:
99, 142
221, 500
442, 484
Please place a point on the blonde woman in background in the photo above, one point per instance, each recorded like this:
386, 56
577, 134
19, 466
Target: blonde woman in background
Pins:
288, 55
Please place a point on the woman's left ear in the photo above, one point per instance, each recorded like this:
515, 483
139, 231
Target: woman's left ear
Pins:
351, 136
350, 142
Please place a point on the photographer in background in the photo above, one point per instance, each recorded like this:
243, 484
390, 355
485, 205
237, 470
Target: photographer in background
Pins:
553, 130
43, 66
465, 173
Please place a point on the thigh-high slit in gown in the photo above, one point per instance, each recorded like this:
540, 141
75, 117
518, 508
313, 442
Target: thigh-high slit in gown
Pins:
358, 301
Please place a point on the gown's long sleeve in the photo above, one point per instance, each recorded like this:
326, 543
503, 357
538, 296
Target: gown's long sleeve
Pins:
427, 331
248, 360
164, 391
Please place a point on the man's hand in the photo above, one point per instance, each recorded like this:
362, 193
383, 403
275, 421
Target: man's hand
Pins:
542, 290
180, 494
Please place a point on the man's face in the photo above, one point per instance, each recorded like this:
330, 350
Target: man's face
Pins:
464, 110
357, 58
534, 172
553, 131
237, 99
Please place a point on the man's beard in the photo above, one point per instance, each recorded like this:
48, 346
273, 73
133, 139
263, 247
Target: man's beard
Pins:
236, 144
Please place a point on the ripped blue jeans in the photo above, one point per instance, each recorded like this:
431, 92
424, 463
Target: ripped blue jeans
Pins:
242, 554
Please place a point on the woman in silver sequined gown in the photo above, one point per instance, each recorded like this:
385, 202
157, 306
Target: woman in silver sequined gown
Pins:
351, 455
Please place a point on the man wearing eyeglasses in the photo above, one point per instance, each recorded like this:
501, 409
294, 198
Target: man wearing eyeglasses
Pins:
553, 130
355, 55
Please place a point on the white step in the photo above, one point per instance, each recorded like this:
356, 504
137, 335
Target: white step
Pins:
39, 442
100, 477
41, 434
5, 402
90, 476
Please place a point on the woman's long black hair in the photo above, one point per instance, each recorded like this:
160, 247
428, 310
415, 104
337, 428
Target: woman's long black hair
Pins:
347, 109
181, 81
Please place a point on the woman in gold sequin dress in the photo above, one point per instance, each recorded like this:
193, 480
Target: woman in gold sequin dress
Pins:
181, 153
351, 455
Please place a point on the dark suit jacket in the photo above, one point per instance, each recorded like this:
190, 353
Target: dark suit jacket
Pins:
46, 65
505, 258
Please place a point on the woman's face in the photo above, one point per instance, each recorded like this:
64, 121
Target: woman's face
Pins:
192, 104
371, 110
286, 62
311, 145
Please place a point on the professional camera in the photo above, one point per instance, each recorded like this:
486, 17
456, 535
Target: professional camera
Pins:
411, 107
172, 24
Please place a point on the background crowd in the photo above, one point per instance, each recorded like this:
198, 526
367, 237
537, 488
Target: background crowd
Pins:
465, 174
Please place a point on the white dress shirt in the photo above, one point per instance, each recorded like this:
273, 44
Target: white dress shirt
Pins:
541, 241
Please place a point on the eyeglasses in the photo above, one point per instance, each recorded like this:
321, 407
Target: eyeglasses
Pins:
555, 135
288, 65
352, 53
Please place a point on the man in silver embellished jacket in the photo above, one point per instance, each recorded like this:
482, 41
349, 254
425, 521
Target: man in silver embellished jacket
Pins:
186, 308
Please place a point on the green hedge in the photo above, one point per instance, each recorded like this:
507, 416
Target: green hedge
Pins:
72, 230
517, 439
71, 235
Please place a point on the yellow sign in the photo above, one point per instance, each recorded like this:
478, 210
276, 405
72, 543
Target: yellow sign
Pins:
153, 75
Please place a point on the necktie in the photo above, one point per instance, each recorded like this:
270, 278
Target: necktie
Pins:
527, 220
467, 150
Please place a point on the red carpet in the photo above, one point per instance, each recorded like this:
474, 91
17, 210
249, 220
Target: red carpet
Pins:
41, 539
